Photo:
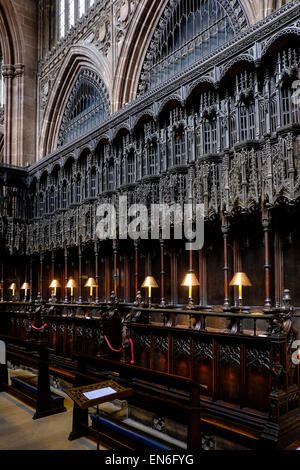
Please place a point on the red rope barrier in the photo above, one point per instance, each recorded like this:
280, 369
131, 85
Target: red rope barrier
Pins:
119, 350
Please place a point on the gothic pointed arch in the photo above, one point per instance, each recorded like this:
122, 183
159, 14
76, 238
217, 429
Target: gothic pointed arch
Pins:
78, 58
10, 34
187, 31
87, 106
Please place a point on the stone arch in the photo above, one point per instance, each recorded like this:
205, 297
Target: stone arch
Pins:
174, 98
104, 138
77, 59
236, 60
11, 39
205, 80
292, 31
84, 151
11, 36
144, 115
119, 129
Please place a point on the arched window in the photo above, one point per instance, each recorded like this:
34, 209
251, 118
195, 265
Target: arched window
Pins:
187, 31
87, 107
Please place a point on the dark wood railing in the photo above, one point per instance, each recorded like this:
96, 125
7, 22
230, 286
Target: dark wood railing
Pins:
241, 362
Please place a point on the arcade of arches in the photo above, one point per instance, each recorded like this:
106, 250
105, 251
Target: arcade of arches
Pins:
164, 102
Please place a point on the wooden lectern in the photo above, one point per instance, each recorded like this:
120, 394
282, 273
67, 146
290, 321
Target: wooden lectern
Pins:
92, 395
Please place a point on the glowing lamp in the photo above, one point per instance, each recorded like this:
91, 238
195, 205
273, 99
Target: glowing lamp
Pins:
25, 286
149, 282
71, 284
190, 281
13, 287
54, 285
90, 283
240, 280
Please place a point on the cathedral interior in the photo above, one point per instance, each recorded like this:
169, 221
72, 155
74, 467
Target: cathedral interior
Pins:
166, 103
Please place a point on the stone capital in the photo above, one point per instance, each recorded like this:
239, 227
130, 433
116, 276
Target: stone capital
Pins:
8, 70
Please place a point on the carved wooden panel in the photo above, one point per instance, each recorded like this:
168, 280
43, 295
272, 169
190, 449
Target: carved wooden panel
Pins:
229, 372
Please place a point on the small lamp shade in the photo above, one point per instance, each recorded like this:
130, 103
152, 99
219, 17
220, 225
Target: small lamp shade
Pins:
25, 286
149, 282
13, 287
71, 284
54, 284
240, 279
90, 282
190, 280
